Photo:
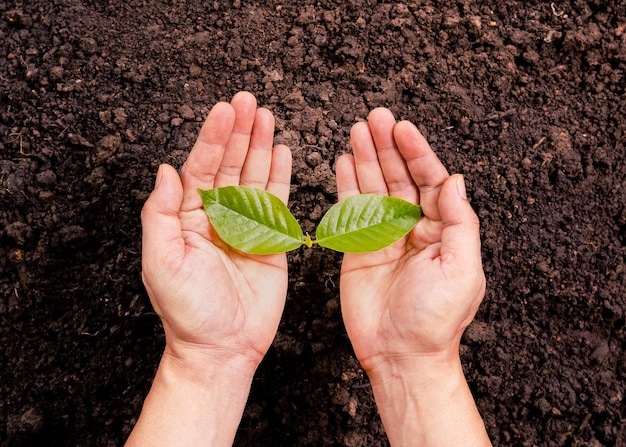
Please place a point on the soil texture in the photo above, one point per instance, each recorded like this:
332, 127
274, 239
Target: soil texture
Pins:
525, 98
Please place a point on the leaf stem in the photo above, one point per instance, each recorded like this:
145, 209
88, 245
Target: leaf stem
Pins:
308, 241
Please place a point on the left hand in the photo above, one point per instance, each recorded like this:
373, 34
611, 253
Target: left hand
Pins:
213, 300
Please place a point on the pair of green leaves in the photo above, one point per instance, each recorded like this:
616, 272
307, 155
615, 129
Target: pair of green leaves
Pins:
257, 222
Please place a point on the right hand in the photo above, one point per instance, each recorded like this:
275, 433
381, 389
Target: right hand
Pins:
412, 301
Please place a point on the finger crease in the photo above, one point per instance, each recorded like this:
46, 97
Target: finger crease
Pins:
386, 148
204, 178
399, 185
230, 170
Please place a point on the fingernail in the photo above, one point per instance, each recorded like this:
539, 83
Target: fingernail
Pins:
159, 176
460, 185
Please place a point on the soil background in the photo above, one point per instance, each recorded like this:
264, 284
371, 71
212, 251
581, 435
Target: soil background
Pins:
525, 98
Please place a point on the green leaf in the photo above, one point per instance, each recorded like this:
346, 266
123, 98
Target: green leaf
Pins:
366, 222
252, 220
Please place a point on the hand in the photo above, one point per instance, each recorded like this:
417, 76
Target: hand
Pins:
405, 307
220, 308
416, 297
214, 301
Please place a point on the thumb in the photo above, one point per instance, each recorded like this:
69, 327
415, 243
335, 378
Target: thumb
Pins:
160, 222
461, 230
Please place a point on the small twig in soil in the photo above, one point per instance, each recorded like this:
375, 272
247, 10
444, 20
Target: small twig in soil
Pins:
20, 136
539, 143
558, 14
62, 132
497, 116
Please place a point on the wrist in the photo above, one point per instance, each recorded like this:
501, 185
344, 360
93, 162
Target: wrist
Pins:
396, 361
416, 373
203, 367
195, 399
425, 400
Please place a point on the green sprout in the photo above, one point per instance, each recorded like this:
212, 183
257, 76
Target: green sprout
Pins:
257, 222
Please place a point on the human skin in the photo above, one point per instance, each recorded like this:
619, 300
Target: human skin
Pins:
220, 308
405, 307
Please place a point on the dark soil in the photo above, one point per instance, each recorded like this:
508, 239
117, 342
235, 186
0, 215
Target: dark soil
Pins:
526, 98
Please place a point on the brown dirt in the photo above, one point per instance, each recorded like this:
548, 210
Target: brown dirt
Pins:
527, 99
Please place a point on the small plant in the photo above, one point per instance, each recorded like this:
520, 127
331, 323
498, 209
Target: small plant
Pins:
257, 222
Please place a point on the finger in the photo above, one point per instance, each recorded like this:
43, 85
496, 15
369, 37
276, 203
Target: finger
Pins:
368, 171
396, 174
424, 167
256, 168
203, 162
229, 172
347, 183
460, 238
279, 181
162, 235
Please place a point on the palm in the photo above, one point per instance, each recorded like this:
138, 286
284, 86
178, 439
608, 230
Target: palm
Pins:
208, 295
235, 297
378, 296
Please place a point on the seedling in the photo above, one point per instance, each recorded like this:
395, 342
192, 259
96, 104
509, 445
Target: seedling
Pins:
257, 222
